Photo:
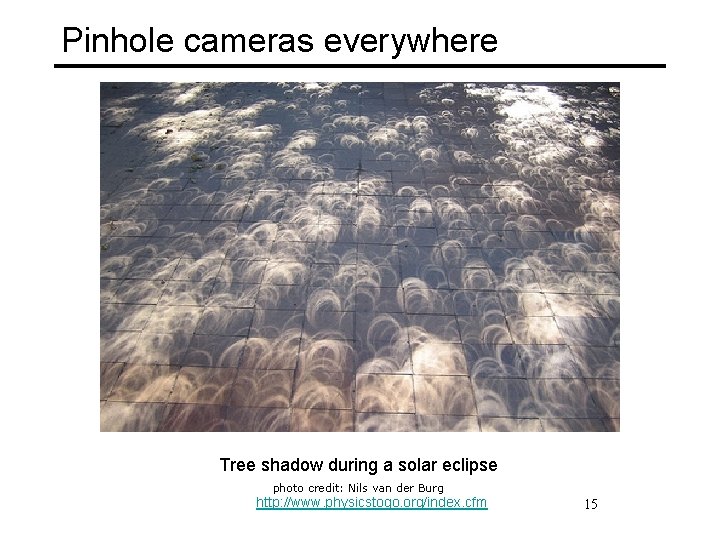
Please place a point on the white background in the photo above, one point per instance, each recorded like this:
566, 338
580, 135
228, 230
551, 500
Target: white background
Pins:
62, 477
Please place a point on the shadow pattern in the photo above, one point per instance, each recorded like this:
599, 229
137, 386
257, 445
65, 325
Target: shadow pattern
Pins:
359, 256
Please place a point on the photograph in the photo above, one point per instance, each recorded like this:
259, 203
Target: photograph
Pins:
400, 222
360, 256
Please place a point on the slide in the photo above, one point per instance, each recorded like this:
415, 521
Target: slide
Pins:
359, 270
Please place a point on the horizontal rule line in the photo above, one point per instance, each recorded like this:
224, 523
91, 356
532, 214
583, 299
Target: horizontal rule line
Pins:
362, 66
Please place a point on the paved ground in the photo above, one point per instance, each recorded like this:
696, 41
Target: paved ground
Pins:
359, 257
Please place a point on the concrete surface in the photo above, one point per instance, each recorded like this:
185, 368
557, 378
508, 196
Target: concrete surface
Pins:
359, 256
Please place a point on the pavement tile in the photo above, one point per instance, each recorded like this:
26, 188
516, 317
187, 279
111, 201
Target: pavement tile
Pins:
220, 293
273, 297
432, 328
327, 355
451, 395
124, 317
394, 422
517, 279
271, 353
504, 397
565, 398
475, 329
222, 321
207, 385
262, 419
606, 395
597, 362
437, 422
324, 324
109, 373
549, 361
560, 282
136, 291
160, 348
115, 266
117, 346
174, 319
333, 276
277, 324
262, 388
285, 273
213, 351
321, 420
385, 393
438, 358
494, 361
482, 304
575, 424
321, 389
379, 300
140, 383
468, 278
341, 254
600, 282
573, 305
504, 424
194, 417
526, 304
119, 416
243, 270
383, 357
202, 269
590, 331
609, 304
153, 268
535, 330
380, 255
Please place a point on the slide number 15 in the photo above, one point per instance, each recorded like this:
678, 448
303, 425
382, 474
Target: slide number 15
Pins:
590, 504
